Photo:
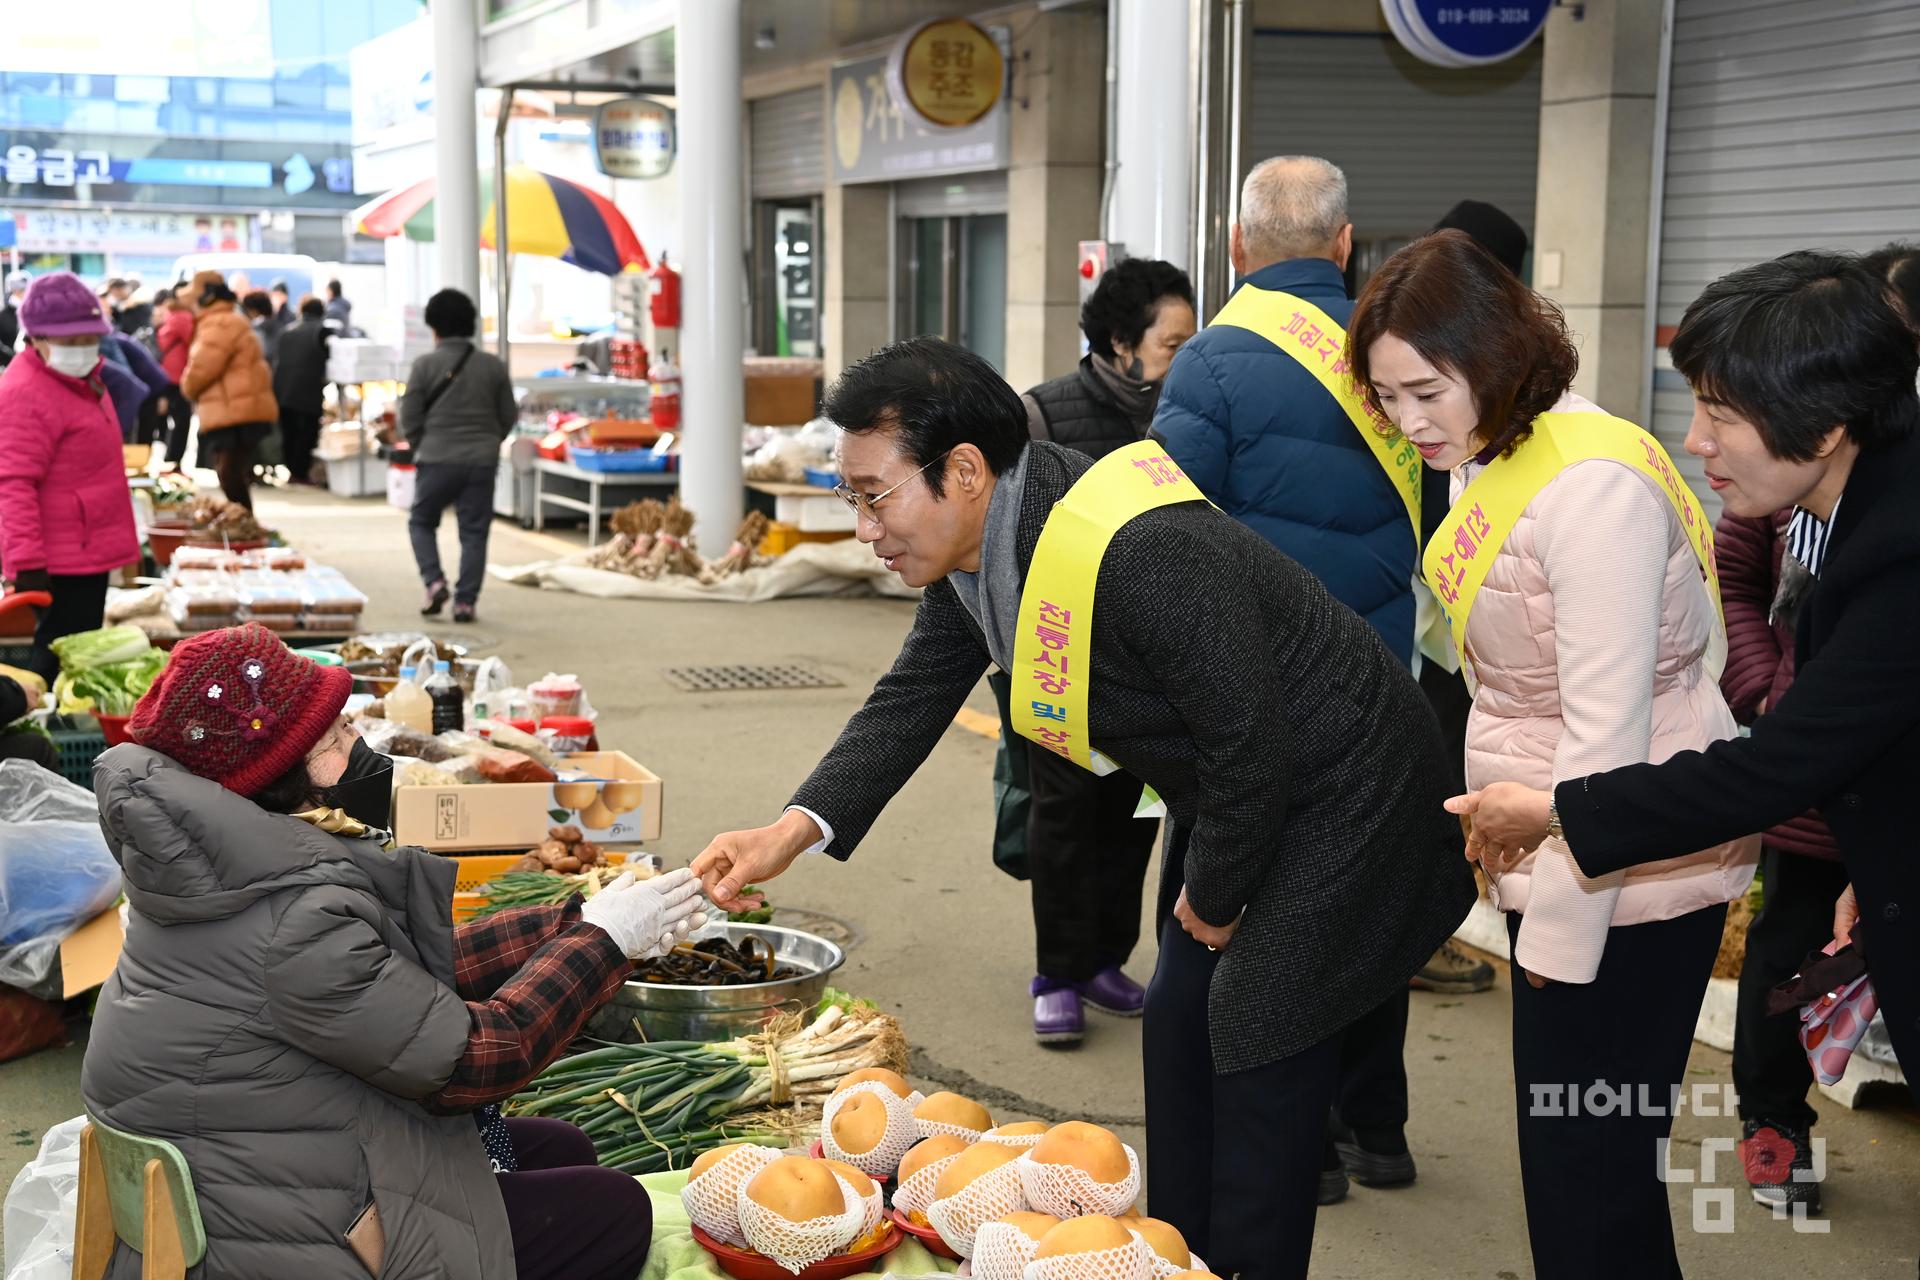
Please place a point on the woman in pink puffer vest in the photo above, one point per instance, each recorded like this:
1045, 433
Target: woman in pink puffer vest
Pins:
1593, 642
66, 518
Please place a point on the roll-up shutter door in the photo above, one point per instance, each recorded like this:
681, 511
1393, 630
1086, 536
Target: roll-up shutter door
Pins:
1790, 126
1412, 139
789, 156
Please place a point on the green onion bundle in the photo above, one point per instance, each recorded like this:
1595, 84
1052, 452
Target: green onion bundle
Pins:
651, 1107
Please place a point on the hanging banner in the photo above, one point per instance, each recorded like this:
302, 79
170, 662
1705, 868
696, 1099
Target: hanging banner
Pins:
633, 138
949, 72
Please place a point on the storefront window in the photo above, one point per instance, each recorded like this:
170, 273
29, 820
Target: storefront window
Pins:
787, 305
953, 282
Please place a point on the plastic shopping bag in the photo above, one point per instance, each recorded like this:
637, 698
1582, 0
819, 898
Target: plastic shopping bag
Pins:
41, 1206
57, 873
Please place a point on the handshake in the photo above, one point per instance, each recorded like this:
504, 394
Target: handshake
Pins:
648, 918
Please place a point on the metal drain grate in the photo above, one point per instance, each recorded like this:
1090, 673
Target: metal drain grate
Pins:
782, 675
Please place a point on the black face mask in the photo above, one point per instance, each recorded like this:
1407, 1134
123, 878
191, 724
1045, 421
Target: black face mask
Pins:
365, 790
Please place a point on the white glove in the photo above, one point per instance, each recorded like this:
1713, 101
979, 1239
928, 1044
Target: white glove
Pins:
647, 918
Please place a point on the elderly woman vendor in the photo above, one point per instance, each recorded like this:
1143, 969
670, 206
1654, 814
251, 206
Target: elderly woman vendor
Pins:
297, 1013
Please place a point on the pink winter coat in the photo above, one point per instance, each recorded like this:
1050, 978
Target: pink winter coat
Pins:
1594, 643
64, 503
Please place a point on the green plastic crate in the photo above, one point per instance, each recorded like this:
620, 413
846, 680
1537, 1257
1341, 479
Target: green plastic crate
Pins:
80, 742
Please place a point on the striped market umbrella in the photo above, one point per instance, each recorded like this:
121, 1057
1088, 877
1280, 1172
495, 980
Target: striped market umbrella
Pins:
548, 217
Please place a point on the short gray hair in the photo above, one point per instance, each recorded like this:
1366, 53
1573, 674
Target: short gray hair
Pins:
1292, 207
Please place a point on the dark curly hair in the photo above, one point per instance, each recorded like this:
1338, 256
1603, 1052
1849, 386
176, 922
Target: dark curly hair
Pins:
1123, 305
451, 314
1465, 313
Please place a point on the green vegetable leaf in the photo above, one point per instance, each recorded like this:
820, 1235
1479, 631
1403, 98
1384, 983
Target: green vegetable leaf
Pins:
559, 815
89, 649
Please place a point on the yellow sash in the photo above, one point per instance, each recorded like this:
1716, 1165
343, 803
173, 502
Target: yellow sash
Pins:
1053, 640
1473, 532
1312, 338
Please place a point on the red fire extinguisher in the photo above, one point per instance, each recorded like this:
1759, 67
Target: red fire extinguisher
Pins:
664, 301
664, 378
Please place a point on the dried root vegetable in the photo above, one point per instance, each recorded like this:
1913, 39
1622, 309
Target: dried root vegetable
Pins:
746, 544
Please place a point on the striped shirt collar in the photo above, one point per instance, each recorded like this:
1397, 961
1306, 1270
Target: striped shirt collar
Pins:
1807, 538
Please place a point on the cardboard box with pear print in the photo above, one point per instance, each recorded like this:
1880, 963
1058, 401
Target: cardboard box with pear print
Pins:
612, 798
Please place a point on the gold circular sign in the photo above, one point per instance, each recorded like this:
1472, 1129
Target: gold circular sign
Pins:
950, 72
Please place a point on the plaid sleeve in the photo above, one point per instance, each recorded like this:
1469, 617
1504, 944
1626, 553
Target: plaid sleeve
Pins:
488, 951
533, 1015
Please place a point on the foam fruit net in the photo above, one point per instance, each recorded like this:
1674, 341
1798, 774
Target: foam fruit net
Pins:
1018, 1141
994, 1194
1067, 1190
935, 1128
712, 1199
798, 1245
901, 1133
1129, 1262
1001, 1251
916, 1193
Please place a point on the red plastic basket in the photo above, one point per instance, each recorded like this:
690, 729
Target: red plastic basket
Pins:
925, 1235
113, 729
744, 1264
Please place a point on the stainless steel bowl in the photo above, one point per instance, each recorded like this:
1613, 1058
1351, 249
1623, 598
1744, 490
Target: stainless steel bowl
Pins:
667, 1011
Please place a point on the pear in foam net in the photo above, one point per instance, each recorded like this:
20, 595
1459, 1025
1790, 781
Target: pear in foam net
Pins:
1036, 1225
1085, 1146
797, 1189
1091, 1233
925, 1153
1164, 1239
952, 1110
860, 1124
975, 1162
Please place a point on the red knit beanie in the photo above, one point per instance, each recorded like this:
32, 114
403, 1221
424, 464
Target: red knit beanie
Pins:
239, 707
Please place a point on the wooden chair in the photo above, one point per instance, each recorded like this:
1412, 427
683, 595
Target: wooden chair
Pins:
138, 1190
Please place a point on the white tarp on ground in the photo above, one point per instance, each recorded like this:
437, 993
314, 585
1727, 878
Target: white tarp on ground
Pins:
845, 568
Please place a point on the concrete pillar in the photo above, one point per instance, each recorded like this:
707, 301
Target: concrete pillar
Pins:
1152, 208
456, 199
1598, 81
858, 288
1053, 186
713, 270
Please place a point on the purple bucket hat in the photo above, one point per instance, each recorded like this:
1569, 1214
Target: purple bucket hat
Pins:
58, 305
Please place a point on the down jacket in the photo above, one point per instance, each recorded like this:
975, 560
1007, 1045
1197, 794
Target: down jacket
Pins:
227, 376
284, 999
1760, 647
64, 505
1265, 441
1591, 645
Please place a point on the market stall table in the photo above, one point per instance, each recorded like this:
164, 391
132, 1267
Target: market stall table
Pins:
595, 482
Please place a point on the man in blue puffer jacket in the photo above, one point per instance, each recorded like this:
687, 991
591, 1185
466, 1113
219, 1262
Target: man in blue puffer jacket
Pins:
1262, 438
1256, 430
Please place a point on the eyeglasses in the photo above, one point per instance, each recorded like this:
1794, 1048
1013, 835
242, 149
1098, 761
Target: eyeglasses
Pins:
864, 503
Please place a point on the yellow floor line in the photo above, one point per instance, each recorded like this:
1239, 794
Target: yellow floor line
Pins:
974, 722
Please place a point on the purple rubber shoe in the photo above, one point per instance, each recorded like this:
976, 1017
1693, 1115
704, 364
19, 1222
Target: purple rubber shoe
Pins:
1111, 991
1058, 1018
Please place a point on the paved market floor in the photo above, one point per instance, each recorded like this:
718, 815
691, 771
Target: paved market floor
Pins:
944, 940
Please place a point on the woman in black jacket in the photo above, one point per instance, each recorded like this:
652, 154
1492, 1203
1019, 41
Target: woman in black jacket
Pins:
1803, 382
1086, 854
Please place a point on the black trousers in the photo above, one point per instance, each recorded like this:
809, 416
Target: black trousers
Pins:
1087, 856
1770, 1067
1596, 1206
469, 491
1236, 1158
79, 604
299, 433
180, 414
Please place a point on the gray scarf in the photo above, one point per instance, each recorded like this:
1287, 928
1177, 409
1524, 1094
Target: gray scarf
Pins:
992, 595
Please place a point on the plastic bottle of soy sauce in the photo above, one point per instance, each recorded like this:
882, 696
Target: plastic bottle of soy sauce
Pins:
449, 703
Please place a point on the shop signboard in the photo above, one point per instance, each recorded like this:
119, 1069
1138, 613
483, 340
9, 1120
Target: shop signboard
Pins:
47, 165
872, 139
948, 72
130, 232
1454, 33
633, 138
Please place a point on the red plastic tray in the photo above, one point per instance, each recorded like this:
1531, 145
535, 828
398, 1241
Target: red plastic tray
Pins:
114, 729
744, 1264
925, 1235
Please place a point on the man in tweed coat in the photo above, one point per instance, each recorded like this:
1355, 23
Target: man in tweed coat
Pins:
1309, 868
